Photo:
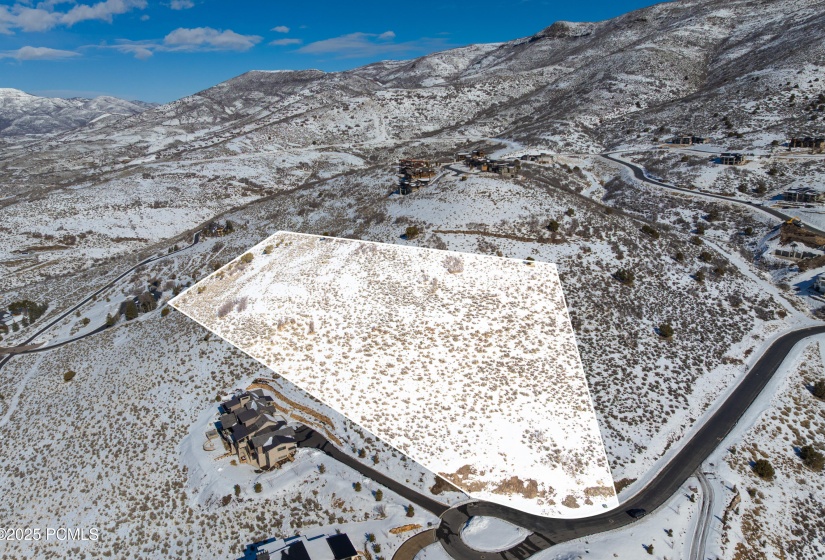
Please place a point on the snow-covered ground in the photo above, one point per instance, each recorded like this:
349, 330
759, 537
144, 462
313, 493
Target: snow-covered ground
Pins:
412, 344
492, 534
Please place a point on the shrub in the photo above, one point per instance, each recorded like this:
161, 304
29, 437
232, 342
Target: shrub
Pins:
763, 469
258, 488
379, 495
68, 376
705, 256
371, 537
553, 226
812, 458
651, 231
699, 276
748, 230
225, 500
165, 311
268, 249
410, 511
700, 229
322, 469
570, 212
237, 489
696, 240
625, 276
247, 258
819, 389
411, 232
362, 453
356, 486
665, 330
679, 256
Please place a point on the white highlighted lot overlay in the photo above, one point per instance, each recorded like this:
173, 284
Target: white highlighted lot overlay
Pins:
465, 363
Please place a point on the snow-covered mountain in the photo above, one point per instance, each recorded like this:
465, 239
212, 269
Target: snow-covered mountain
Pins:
315, 152
676, 66
24, 114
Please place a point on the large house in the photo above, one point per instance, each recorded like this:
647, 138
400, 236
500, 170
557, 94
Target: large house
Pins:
414, 174
252, 428
299, 547
477, 159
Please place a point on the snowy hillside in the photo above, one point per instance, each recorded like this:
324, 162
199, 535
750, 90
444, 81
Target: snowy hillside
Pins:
416, 346
22, 114
316, 153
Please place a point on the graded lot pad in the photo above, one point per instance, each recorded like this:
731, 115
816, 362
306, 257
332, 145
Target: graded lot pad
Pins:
465, 363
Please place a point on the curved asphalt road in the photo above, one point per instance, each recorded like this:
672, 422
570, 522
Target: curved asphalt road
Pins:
666, 483
65, 314
640, 174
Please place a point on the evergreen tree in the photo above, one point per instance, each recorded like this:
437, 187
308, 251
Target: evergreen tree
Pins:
131, 310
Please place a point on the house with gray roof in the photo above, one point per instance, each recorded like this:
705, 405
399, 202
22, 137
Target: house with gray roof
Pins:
253, 429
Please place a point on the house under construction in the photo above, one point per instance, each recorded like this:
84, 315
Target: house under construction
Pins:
414, 174
732, 158
685, 140
807, 142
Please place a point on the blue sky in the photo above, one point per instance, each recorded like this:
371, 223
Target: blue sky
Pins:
162, 50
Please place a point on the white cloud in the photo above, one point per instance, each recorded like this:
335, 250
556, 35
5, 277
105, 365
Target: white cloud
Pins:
181, 4
101, 11
285, 42
364, 45
199, 39
281, 29
138, 50
38, 53
35, 19
207, 38
20, 16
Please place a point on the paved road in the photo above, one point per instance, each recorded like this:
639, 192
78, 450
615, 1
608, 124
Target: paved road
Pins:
640, 174
65, 314
415, 544
655, 494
